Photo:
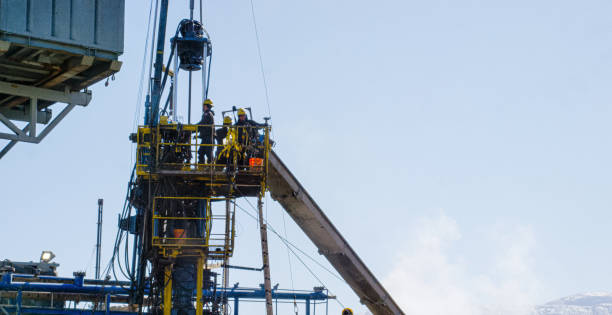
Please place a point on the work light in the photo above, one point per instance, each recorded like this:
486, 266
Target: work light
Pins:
46, 256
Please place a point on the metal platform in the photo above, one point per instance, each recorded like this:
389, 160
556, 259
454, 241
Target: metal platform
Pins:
51, 52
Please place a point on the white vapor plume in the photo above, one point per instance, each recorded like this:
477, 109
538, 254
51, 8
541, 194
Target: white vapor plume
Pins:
427, 280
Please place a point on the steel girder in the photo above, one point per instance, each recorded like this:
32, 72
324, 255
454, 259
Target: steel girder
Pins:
33, 115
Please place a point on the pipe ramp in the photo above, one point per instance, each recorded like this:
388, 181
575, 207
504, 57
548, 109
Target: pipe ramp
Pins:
287, 190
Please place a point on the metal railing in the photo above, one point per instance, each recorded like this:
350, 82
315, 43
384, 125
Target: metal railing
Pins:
193, 223
199, 148
81, 294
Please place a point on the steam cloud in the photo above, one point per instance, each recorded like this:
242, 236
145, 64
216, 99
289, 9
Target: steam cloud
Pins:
428, 280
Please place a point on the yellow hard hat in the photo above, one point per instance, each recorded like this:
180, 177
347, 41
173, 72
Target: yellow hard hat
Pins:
241, 112
227, 120
347, 311
208, 102
163, 120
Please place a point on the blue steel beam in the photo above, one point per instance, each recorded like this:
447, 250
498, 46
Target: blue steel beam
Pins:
79, 285
67, 279
43, 310
64, 288
114, 290
260, 294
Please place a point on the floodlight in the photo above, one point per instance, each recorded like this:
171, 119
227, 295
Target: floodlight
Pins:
47, 256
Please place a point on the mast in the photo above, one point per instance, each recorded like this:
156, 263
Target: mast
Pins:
159, 61
99, 238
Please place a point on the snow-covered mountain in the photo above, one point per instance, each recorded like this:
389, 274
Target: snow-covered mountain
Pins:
594, 303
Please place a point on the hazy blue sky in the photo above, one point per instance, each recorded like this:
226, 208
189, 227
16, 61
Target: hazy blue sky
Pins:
461, 147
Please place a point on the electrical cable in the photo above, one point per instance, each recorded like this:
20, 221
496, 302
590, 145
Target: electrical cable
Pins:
297, 256
295, 308
140, 83
153, 36
189, 100
93, 251
118, 239
263, 74
271, 228
208, 75
292, 251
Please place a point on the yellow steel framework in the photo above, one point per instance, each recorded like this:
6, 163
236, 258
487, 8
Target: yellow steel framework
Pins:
233, 149
168, 290
198, 246
216, 244
169, 151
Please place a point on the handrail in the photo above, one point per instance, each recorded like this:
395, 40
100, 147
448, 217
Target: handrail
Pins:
164, 227
183, 147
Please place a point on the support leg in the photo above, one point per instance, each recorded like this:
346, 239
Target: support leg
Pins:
19, 302
7, 148
33, 116
226, 260
11, 144
200, 280
168, 291
266, 258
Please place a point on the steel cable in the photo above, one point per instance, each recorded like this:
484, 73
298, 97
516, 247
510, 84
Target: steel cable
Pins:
293, 252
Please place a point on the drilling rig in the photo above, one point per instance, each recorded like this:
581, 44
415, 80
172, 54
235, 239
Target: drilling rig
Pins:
180, 210
184, 203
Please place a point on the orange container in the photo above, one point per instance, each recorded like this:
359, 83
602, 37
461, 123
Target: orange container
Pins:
255, 162
179, 233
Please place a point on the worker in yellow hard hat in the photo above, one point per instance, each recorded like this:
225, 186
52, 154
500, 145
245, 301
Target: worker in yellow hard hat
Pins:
227, 120
220, 135
247, 133
206, 132
241, 114
242, 123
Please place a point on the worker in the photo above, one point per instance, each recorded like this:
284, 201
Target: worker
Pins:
220, 135
247, 135
206, 132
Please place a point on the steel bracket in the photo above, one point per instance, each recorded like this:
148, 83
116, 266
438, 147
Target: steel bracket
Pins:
28, 133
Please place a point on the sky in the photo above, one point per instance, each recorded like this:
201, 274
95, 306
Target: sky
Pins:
461, 147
